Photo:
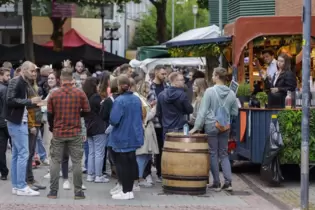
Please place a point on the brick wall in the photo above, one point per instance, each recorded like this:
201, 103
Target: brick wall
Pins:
291, 7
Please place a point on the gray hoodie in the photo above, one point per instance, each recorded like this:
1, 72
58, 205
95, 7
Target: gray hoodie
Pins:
210, 103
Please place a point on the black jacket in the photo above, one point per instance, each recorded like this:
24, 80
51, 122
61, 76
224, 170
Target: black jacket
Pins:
17, 100
173, 107
285, 82
93, 120
3, 104
107, 106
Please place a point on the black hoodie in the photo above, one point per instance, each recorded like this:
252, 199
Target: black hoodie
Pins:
173, 107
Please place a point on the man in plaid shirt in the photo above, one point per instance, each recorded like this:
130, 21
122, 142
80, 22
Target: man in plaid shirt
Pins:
65, 108
157, 86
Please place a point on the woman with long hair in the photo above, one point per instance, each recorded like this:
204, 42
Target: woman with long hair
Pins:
104, 85
95, 127
217, 100
283, 81
199, 87
150, 146
126, 136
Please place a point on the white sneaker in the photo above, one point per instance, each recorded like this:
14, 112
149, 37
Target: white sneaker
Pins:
116, 189
101, 179
123, 196
47, 176
45, 162
145, 183
90, 178
66, 185
83, 187
136, 187
14, 191
27, 191
149, 179
159, 180
84, 169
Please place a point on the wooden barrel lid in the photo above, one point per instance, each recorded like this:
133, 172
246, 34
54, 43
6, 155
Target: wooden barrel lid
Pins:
180, 137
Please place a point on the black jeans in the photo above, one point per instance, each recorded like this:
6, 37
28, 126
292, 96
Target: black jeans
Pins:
31, 147
158, 157
127, 169
4, 136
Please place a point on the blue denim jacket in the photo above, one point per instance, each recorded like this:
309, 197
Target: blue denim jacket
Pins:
126, 118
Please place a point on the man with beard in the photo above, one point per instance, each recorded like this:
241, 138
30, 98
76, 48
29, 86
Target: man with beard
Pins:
4, 134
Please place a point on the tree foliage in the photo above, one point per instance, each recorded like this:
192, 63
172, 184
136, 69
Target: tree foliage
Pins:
145, 34
204, 4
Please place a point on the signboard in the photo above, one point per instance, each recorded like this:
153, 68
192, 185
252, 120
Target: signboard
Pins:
234, 86
51, 9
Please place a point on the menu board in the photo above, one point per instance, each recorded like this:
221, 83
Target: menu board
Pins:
234, 86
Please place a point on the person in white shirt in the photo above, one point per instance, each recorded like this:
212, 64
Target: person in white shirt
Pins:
268, 55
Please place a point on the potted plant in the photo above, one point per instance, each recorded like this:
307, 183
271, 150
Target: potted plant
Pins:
243, 92
262, 97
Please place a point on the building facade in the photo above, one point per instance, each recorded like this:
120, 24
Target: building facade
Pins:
10, 25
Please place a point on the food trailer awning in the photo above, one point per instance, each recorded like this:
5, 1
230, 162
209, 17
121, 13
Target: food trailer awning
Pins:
205, 35
245, 29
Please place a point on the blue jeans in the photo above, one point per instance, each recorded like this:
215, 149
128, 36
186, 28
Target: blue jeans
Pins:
218, 143
40, 149
142, 161
86, 154
96, 154
20, 153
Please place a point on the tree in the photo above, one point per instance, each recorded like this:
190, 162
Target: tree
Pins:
161, 21
184, 21
204, 4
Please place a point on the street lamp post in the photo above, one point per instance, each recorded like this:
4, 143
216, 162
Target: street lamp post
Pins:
195, 12
102, 39
112, 33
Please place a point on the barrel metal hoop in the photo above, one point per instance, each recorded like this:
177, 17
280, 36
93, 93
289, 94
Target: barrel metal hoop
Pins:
189, 139
185, 190
185, 178
203, 151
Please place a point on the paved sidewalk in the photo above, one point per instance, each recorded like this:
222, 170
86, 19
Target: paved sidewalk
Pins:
98, 198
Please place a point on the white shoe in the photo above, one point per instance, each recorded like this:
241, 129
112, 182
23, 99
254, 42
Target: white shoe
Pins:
84, 169
145, 183
149, 179
116, 189
90, 178
123, 196
66, 185
47, 176
45, 162
83, 187
27, 191
136, 187
158, 180
101, 179
14, 191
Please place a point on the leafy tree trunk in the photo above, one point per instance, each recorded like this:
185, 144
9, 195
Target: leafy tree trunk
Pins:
161, 21
212, 62
57, 34
28, 31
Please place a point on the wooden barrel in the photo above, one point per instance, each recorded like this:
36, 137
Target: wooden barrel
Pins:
185, 164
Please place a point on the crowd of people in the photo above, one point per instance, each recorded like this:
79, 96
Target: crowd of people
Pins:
117, 120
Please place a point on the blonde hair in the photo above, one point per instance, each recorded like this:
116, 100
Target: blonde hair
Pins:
202, 85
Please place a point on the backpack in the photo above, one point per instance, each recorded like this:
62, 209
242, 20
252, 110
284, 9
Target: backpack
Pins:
221, 115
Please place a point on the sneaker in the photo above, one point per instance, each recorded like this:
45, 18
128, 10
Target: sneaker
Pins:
83, 187
45, 162
116, 189
145, 183
52, 195
159, 179
4, 178
101, 179
215, 187
149, 179
14, 191
27, 191
90, 178
47, 176
66, 185
79, 195
84, 170
227, 187
136, 187
123, 196
38, 185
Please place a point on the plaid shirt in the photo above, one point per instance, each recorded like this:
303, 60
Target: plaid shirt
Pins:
66, 104
153, 97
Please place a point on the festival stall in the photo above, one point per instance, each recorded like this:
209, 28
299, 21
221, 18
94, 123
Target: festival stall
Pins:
250, 35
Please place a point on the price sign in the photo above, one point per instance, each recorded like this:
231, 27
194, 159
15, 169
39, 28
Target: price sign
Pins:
234, 86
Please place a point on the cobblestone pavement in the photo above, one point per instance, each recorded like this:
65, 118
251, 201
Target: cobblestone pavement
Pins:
98, 198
